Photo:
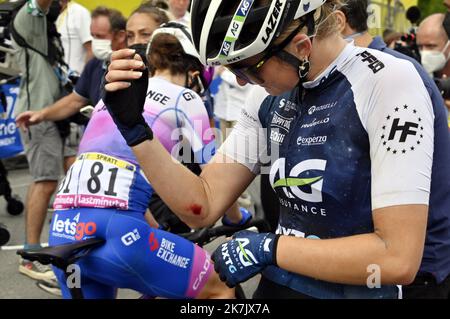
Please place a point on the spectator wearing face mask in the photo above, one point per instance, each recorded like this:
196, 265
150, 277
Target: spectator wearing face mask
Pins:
434, 46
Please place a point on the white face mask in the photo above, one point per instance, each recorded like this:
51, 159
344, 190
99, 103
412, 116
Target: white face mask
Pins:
434, 61
102, 49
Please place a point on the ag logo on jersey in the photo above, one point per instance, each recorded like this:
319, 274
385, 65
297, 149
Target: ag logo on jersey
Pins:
401, 136
308, 187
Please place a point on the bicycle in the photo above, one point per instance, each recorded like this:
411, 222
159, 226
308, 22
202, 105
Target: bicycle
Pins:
62, 256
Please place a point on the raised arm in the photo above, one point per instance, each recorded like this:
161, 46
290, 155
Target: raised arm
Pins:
197, 200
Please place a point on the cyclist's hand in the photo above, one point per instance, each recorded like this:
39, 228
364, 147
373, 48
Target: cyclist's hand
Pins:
246, 255
125, 93
26, 119
246, 216
125, 67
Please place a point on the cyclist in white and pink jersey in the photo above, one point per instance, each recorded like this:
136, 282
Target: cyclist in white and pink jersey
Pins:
105, 194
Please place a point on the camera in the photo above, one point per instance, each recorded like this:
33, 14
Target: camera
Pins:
408, 42
408, 45
444, 87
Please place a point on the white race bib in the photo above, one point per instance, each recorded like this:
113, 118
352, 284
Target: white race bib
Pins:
96, 180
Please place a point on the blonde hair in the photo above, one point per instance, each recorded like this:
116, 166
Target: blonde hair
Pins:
324, 19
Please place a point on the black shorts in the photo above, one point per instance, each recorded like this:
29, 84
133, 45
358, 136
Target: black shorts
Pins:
426, 287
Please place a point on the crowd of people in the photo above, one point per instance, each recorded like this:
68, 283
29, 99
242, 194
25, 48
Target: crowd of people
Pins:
349, 134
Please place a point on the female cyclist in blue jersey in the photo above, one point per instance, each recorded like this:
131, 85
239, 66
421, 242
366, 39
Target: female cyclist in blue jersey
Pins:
105, 193
346, 138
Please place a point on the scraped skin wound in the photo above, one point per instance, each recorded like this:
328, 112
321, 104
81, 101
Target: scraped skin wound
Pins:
196, 209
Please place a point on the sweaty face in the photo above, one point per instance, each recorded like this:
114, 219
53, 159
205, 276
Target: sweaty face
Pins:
140, 27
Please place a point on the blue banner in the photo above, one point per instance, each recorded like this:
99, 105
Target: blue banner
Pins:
10, 143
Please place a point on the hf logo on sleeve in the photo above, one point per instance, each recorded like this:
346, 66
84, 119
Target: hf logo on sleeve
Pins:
402, 131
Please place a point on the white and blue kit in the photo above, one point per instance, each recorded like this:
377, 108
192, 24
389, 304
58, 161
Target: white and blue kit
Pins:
358, 138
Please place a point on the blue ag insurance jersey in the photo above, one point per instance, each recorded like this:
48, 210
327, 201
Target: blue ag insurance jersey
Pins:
358, 138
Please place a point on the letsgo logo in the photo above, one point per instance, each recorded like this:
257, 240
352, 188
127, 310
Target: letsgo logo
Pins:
72, 229
292, 184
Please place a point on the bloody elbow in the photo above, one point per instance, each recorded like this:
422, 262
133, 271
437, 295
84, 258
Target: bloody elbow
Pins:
195, 209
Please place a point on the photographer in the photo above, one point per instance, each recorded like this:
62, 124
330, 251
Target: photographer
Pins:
434, 46
38, 54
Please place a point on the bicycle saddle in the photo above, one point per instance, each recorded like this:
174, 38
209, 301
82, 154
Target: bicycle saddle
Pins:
61, 256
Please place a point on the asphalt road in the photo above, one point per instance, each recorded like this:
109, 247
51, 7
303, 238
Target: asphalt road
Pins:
14, 285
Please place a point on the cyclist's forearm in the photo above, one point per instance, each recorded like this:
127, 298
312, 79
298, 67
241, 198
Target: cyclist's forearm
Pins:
185, 193
393, 252
64, 108
346, 260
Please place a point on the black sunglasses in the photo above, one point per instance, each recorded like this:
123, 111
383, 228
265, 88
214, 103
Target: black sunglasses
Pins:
250, 74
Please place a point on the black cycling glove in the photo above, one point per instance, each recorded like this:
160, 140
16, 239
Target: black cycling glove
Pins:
126, 107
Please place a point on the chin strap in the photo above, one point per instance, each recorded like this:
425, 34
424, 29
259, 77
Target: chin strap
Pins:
302, 66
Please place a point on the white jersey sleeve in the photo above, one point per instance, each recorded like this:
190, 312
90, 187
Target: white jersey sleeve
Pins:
398, 117
247, 143
195, 126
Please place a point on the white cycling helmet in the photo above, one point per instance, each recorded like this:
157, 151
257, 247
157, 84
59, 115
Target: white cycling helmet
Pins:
222, 37
181, 32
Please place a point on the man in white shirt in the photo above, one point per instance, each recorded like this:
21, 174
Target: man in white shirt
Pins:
73, 24
229, 101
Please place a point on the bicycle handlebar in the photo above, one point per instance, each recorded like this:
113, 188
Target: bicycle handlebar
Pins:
206, 235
